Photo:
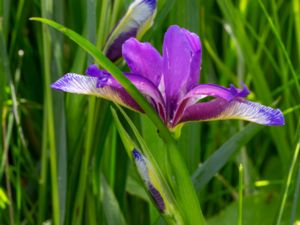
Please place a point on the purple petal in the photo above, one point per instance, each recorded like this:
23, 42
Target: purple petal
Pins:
195, 44
181, 64
88, 85
203, 90
143, 59
220, 109
107, 87
157, 197
93, 71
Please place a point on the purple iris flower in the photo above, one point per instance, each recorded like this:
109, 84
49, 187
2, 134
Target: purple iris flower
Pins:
170, 84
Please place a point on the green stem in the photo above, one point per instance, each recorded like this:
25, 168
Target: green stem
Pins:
184, 187
288, 183
241, 179
50, 118
83, 181
79, 202
44, 171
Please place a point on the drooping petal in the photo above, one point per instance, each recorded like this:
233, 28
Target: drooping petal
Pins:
181, 64
204, 90
238, 108
88, 85
137, 20
105, 86
143, 59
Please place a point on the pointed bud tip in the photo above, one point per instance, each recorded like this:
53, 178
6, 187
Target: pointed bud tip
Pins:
136, 154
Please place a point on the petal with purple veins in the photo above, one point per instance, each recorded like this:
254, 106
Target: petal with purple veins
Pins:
143, 59
238, 108
204, 90
88, 85
105, 86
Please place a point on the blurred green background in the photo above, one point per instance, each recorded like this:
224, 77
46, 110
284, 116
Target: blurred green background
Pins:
61, 156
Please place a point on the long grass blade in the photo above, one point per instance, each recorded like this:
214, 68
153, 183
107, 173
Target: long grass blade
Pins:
283, 48
48, 106
111, 207
212, 165
288, 182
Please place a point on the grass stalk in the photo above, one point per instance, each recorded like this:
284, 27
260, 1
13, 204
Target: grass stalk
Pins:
51, 139
83, 177
241, 189
9, 191
296, 197
44, 170
283, 48
288, 182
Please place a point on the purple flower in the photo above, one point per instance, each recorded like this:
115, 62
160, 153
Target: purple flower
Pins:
170, 84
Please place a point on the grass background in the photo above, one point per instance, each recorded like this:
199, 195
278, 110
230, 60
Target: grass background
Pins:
61, 157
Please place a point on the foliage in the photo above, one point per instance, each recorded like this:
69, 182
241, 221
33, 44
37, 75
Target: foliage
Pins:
62, 158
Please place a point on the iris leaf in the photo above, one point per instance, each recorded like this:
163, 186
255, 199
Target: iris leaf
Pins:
212, 165
111, 206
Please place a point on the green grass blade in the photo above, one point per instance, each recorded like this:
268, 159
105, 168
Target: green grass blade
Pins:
241, 189
126, 139
59, 109
283, 48
43, 174
296, 8
3, 74
48, 106
111, 207
212, 165
296, 197
88, 145
288, 182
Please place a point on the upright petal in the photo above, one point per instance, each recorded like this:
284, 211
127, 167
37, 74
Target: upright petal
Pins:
181, 64
238, 108
195, 44
143, 59
137, 20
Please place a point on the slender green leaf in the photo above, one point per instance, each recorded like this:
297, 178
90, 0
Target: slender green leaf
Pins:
111, 207
215, 162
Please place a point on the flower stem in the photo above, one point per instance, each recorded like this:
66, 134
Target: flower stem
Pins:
184, 187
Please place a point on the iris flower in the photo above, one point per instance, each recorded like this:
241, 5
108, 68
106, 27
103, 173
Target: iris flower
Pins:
170, 84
